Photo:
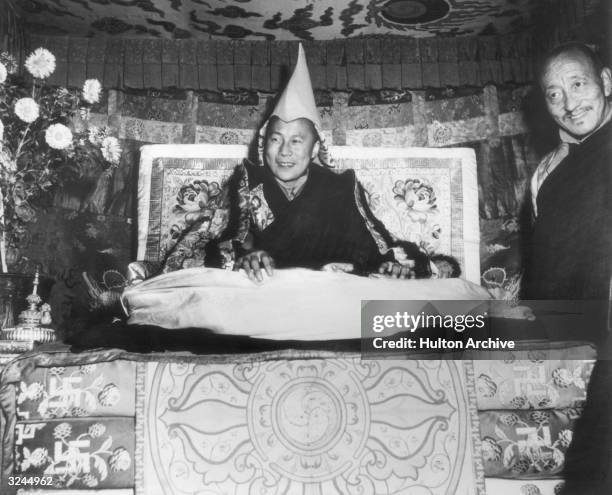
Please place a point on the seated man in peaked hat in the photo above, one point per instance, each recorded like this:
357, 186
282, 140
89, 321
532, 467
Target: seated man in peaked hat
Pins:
301, 214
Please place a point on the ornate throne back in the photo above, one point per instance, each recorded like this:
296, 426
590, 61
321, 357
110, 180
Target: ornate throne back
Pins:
425, 195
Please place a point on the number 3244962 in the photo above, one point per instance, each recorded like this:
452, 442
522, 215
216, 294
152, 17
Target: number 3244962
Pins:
30, 481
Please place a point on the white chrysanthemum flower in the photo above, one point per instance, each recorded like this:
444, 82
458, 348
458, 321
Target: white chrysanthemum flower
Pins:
111, 150
3, 72
40, 63
58, 136
27, 109
91, 90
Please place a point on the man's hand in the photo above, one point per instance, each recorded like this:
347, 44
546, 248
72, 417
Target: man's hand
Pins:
253, 262
393, 269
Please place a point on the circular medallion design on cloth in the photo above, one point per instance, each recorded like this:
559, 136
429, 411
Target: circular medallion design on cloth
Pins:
332, 426
309, 417
306, 424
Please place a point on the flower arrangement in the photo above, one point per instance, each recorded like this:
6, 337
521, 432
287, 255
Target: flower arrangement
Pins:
45, 140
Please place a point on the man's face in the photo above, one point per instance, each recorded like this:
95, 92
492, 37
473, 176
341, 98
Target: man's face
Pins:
289, 148
575, 94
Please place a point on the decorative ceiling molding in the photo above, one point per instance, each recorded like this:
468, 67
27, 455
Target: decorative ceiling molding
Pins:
285, 20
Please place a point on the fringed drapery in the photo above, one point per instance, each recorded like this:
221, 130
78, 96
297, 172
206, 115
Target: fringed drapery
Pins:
351, 64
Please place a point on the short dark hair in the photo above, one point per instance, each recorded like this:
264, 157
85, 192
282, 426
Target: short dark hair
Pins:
572, 47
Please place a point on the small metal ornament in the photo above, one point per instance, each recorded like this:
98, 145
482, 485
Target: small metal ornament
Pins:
32, 323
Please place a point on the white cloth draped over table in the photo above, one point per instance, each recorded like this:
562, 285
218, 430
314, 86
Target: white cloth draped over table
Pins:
293, 304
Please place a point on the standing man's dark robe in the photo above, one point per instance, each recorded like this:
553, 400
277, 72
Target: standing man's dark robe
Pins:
571, 248
571, 258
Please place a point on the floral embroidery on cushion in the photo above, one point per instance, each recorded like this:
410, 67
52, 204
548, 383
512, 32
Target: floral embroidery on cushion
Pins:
55, 402
81, 454
543, 401
519, 402
565, 438
536, 356
109, 396
62, 431
530, 489
197, 199
533, 382
539, 417
563, 377
37, 458
509, 419
525, 442
417, 201
229, 137
96, 430
558, 487
189, 254
416, 197
485, 386
120, 460
202, 215
34, 391
491, 450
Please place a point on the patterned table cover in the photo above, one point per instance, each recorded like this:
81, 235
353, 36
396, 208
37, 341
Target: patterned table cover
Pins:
273, 423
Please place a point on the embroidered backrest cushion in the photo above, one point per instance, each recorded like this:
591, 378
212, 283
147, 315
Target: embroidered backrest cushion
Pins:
425, 195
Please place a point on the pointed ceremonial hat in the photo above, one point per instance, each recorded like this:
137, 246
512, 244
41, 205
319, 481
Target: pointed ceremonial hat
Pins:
297, 100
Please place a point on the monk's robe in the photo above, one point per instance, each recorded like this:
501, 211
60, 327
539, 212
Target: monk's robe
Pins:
570, 258
571, 246
328, 221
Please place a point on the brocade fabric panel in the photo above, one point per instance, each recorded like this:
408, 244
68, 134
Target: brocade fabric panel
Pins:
77, 453
104, 389
526, 444
499, 486
534, 380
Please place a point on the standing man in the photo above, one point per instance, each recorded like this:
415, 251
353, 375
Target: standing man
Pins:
571, 248
571, 188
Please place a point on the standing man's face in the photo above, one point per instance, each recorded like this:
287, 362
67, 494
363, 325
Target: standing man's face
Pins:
575, 94
289, 148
